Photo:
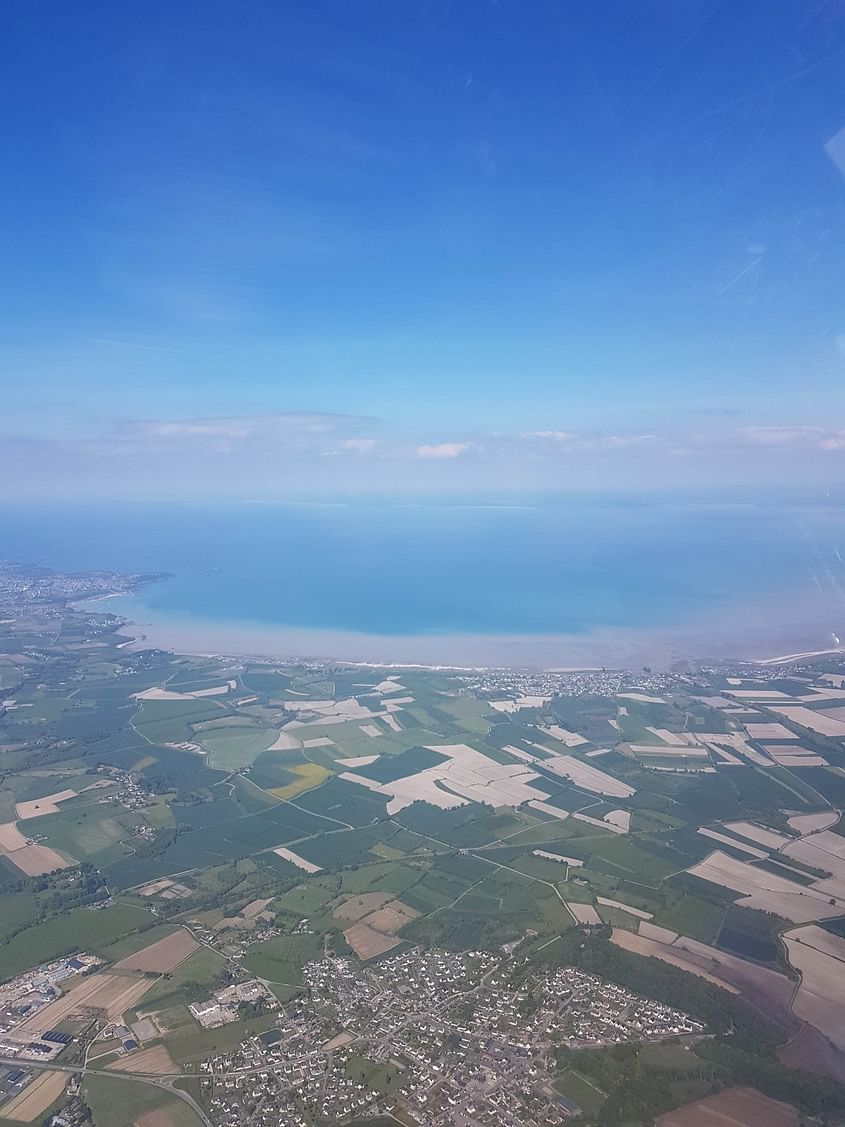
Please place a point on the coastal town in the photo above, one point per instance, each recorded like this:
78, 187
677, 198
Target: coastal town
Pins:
440, 1037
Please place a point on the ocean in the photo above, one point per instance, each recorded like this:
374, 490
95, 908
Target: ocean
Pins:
550, 580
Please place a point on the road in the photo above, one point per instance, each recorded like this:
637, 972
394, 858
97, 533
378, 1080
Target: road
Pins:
165, 1082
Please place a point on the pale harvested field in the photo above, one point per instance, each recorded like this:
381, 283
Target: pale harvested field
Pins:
520, 702
145, 1029
389, 685
767, 891
643, 698
547, 808
369, 730
817, 693
349, 709
155, 1061
820, 1000
691, 769
815, 721
363, 781
654, 931
638, 912
34, 1100
676, 739
169, 694
285, 742
751, 850
599, 823
318, 741
557, 857
772, 731
820, 940
756, 694
526, 756
47, 805
571, 739
738, 742
233, 921
367, 943
468, 775
574, 862
163, 955
641, 945
420, 788
824, 850
676, 751
37, 859
392, 722
583, 913
354, 908
808, 760
338, 1041
11, 838
155, 886
796, 750
586, 776
110, 993
619, 818
391, 917
357, 761
811, 823
255, 907
736, 1107
835, 713
725, 756
295, 859
826, 841
761, 834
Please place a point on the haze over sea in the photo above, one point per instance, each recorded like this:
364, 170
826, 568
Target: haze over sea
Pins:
551, 582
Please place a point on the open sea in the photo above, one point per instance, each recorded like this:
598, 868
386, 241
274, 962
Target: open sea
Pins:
549, 582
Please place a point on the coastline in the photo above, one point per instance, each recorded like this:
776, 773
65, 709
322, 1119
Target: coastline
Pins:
760, 635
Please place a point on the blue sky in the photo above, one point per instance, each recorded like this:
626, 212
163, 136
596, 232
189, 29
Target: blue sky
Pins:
270, 249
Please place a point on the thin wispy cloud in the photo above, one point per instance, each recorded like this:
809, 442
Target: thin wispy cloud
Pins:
237, 428
443, 450
359, 445
801, 437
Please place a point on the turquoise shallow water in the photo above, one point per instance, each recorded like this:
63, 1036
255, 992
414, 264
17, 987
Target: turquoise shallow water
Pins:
567, 567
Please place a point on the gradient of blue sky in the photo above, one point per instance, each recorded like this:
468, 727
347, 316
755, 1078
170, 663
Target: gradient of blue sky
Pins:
271, 248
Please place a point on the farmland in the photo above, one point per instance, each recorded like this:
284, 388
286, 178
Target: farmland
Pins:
198, 821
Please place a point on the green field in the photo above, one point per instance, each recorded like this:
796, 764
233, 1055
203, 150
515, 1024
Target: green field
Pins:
232, 748
281, 960
583, 1092
375, 1076
117, 1101
692, 916
79, 930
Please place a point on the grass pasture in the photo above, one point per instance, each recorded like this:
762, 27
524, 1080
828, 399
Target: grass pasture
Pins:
116, 1101
78, 930
231, 748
